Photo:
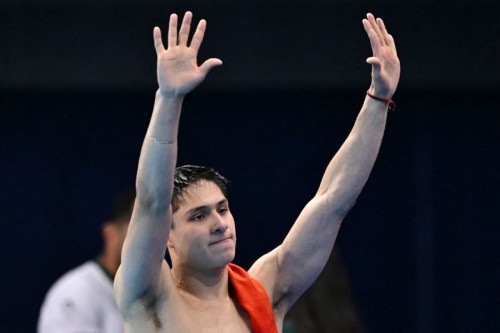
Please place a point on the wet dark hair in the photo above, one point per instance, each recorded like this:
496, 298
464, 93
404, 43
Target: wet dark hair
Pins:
188, 175
120, 209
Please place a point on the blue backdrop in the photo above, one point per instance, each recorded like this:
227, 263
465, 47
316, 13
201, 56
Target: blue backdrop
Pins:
420, 245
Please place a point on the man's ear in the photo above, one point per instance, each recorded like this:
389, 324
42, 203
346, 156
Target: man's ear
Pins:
170, 242
106, 231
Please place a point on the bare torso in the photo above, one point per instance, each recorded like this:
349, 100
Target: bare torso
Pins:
184, 313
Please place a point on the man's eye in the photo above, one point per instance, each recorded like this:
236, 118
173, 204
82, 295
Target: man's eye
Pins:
223, 211
198, 217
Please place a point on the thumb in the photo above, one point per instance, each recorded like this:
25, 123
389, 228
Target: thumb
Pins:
209, 64
376, 64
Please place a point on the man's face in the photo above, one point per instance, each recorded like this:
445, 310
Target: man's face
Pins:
203, 235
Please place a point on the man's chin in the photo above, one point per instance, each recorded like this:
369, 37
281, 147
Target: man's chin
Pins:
225, 258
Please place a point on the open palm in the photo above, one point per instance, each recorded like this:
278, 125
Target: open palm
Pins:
178, 70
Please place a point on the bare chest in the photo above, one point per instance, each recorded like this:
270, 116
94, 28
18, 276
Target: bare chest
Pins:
188, 315
218, 317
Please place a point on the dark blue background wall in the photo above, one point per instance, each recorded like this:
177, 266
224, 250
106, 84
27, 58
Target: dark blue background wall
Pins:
420, 246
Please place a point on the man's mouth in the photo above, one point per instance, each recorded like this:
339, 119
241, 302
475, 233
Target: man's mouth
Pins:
221, 241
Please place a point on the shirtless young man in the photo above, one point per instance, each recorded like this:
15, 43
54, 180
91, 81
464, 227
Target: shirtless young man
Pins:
199, 293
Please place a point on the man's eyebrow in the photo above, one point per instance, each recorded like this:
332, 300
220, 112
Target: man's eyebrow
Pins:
203, 207
222, 202
195, 209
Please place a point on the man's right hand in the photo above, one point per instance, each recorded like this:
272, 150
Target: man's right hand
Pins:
178, 71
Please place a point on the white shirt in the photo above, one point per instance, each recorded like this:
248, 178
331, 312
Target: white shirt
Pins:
81, 301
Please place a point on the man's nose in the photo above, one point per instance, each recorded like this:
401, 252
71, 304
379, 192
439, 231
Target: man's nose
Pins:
219, 224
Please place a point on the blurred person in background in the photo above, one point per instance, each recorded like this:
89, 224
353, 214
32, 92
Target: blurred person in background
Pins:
81, 301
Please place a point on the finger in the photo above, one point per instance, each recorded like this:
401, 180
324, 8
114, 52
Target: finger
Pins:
185, 27
389, 40
209, 64
157, 40
198, 35
392, 44
387, 37
372, 35
172, 31
375, 27
382, 28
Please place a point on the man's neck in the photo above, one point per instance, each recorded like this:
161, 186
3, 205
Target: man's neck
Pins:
203, 285
108, 265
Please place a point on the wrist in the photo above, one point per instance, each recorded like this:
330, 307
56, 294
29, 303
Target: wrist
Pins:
391, 105
170, 102
170, 96
383, 93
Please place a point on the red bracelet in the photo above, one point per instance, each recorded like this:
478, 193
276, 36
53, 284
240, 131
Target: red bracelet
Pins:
390, 103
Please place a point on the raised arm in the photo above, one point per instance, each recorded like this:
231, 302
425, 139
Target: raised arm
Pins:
143, 267
293, 266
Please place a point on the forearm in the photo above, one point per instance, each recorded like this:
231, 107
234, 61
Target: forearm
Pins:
159, 154
349, 169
